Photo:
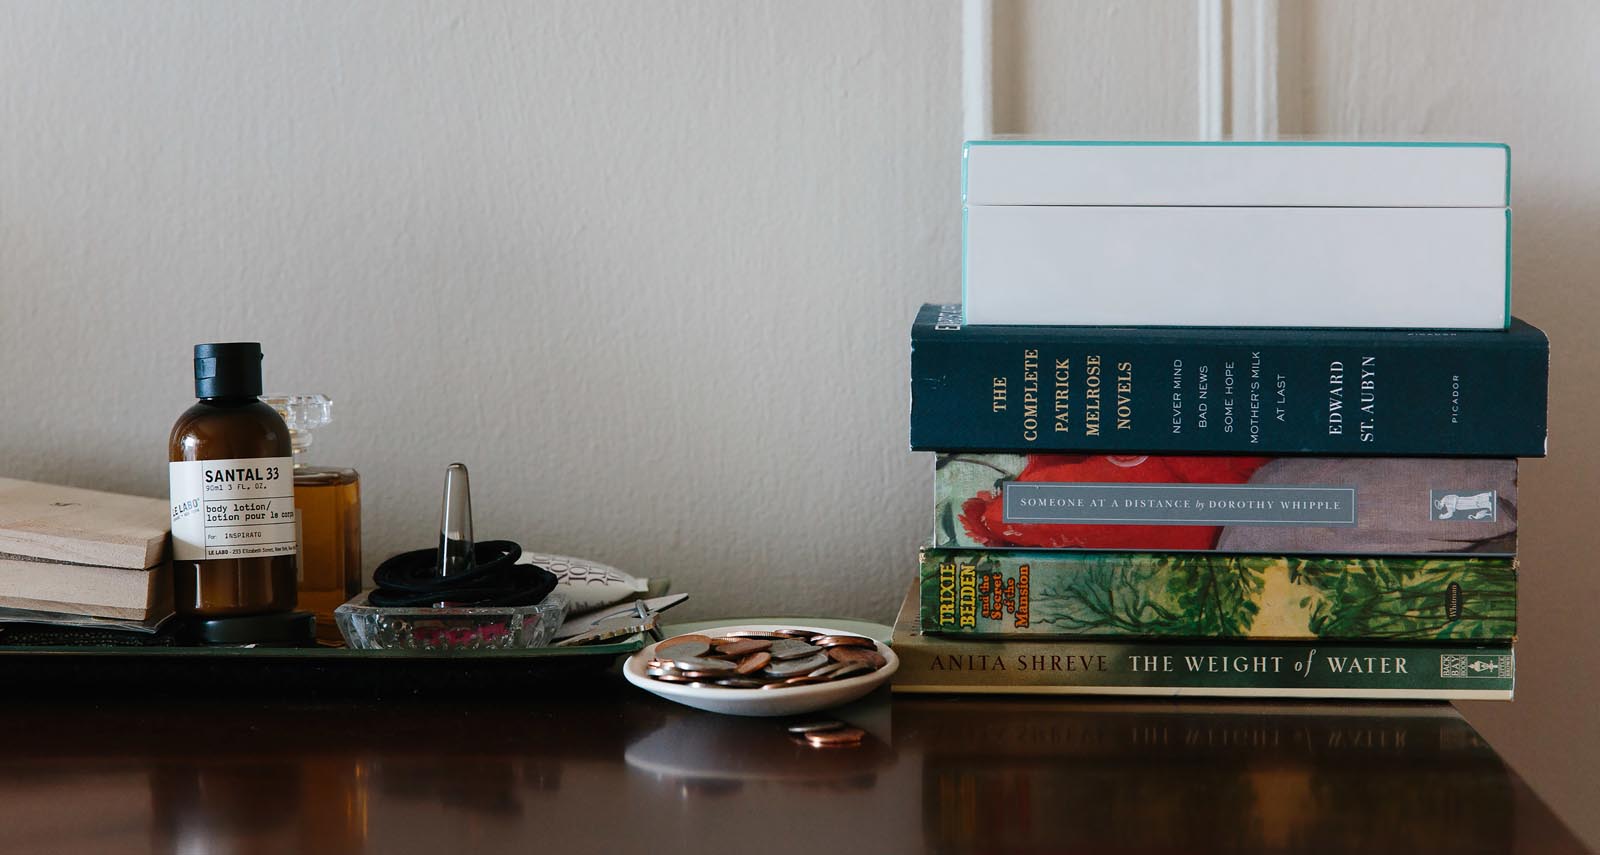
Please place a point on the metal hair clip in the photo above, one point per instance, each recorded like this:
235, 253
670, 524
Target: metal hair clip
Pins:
618, 622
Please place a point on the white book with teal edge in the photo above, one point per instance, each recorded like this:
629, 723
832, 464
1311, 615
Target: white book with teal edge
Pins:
1305, 173
1239, 235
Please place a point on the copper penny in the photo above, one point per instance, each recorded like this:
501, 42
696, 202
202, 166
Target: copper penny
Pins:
754, 662
844, 641
857, 654
842, 737
805, 680
741, 646
680, 646
814, 726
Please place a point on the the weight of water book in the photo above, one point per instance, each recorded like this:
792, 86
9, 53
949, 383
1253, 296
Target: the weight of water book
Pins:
1226, 390
1015, 593
1387, 670
1227, 503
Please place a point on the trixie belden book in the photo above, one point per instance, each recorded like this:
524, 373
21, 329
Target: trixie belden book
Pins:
1476, 393
1389, 670
1199, 595
1227, 503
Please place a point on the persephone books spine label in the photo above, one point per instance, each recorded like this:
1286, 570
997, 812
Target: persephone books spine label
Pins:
236, 508
1179, 504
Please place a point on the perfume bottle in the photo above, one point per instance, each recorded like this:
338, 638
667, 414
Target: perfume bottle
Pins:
233, 502
328, 502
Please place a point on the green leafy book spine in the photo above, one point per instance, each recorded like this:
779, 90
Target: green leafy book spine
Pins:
1203, 595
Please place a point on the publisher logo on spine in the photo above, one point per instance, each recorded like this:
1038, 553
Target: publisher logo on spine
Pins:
1465, 665
1464, 505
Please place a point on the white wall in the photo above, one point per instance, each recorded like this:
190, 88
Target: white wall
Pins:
1528, 74
648, 267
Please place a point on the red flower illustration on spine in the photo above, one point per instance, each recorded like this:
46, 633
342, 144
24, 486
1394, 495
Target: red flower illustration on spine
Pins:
983, 516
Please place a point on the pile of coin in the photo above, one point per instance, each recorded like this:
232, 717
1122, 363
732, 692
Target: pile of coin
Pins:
768, 659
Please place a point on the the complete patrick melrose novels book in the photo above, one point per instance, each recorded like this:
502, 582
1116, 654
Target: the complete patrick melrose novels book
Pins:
1478, 393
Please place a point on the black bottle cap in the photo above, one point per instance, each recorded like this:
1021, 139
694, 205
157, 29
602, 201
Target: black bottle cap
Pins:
227, 370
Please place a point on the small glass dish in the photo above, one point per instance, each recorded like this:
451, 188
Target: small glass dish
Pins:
440, 630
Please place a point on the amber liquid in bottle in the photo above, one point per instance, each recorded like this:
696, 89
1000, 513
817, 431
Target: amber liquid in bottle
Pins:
220, 428
328, 501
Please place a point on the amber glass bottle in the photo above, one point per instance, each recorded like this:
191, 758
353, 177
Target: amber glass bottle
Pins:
328, 501
232, 485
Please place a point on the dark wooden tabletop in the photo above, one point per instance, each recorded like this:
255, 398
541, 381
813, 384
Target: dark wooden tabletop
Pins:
605, 768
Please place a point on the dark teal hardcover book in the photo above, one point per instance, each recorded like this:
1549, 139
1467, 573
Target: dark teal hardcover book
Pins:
1469, 393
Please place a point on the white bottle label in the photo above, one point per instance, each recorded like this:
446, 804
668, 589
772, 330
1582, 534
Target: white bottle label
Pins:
241, 508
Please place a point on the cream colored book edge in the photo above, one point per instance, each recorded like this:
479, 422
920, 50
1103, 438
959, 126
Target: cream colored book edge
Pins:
71, 525
111, 592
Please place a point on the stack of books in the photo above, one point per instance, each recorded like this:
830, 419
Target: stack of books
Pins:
1225, 419
81, 564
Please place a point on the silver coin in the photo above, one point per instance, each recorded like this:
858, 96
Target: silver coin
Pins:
701, 663
826, 669
741, 683
851, 669
796, 667
790, 648
814, 726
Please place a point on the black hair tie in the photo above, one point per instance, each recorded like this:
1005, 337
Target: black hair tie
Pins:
495, 579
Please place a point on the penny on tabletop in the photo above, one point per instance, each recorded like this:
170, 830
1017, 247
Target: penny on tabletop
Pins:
814, 726
840, 737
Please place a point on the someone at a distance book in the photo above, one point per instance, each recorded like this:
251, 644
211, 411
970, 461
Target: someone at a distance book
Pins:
1266, 669
1227, 503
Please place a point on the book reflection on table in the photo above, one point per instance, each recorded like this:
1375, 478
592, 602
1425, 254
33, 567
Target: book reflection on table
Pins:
1040, 775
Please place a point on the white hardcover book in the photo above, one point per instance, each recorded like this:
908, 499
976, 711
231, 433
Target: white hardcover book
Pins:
1312, 173
1424, 268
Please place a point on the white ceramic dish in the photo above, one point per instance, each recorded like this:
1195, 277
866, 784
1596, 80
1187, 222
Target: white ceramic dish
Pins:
796, 700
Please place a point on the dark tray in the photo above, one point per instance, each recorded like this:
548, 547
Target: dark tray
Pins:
279, 671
